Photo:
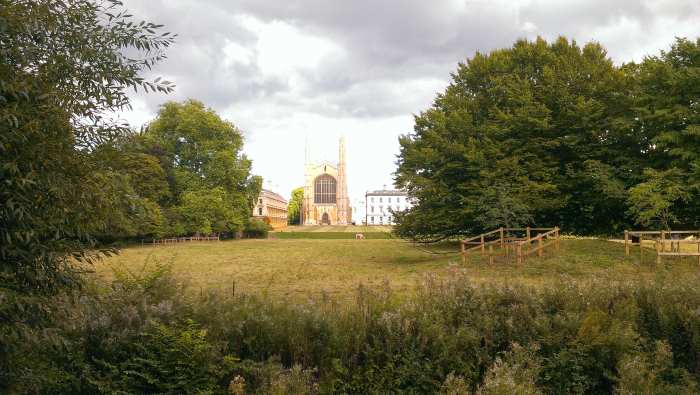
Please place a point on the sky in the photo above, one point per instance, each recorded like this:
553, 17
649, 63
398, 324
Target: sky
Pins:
290, 71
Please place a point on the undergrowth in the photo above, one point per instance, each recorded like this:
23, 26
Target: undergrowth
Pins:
142, 333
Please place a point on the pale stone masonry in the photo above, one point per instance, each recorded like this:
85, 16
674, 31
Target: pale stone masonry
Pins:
271, 208
326, 192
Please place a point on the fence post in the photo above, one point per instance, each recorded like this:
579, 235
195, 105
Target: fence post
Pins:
658, 253
663, 241
627, 246
491, 254
641, 247
527, 237
483, 247
464, 251
502, 242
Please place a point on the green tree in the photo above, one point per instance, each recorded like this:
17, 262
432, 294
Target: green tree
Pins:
207, 211
201, 152
652, 202
295, 206
667, 88
515, 138
509, 197
140, 183
65, 67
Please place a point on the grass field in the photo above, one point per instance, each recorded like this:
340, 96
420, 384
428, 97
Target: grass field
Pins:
310, 268
330, 235
337, 228
333, 232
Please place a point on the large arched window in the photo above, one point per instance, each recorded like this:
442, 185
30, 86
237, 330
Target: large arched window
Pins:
324, 189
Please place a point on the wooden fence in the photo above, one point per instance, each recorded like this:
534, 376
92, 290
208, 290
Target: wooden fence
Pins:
518, 242
174, 240
673, 239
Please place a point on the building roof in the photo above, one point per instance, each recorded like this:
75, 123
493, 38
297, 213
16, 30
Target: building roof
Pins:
387, 192
273, 195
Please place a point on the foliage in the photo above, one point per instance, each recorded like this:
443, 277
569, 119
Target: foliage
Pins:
164, 359
257, 229
183, 174
515, 373
553, 134
295, 206
509, 197
668, 117
654, 373
65, 67
652, 201
210, 188
142, 335
207, 211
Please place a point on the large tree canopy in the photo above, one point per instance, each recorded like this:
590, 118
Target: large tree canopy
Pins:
65, 67
544, 133
210, 185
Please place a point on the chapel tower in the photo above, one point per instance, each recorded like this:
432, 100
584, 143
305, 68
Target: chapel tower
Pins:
326, 200
342, 185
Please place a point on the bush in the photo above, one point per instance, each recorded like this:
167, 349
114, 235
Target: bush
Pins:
144, 334
257, 230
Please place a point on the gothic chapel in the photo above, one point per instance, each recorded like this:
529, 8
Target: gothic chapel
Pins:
326, 192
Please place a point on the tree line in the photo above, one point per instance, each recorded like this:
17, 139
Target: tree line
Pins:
553, 133
182, 174
72, 177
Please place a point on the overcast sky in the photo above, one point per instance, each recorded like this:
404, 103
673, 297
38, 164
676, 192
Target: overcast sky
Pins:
282, 70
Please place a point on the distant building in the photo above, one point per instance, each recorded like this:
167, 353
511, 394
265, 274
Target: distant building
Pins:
380, 204
357, 206
271, 208
326, 192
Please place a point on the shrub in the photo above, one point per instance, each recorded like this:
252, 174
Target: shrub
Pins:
257, 229
145, 333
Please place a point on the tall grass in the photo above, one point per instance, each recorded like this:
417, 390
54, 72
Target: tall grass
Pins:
142, 334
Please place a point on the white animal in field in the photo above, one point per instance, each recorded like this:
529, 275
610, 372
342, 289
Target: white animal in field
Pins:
359, 236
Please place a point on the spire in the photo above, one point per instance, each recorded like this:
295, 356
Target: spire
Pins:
342, 185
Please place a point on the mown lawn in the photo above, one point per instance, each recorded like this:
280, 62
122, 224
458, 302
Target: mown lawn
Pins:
337, 228
303, 268
330, 235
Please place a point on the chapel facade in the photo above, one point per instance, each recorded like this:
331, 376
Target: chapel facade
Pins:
326, 192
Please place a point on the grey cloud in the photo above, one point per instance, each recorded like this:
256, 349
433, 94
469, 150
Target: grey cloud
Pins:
386, 43
196, 60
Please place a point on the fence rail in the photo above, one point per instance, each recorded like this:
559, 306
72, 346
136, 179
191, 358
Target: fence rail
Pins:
663, 239
174, 240
504, 238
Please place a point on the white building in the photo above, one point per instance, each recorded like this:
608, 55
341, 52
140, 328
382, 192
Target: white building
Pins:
358, 211
381, 204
